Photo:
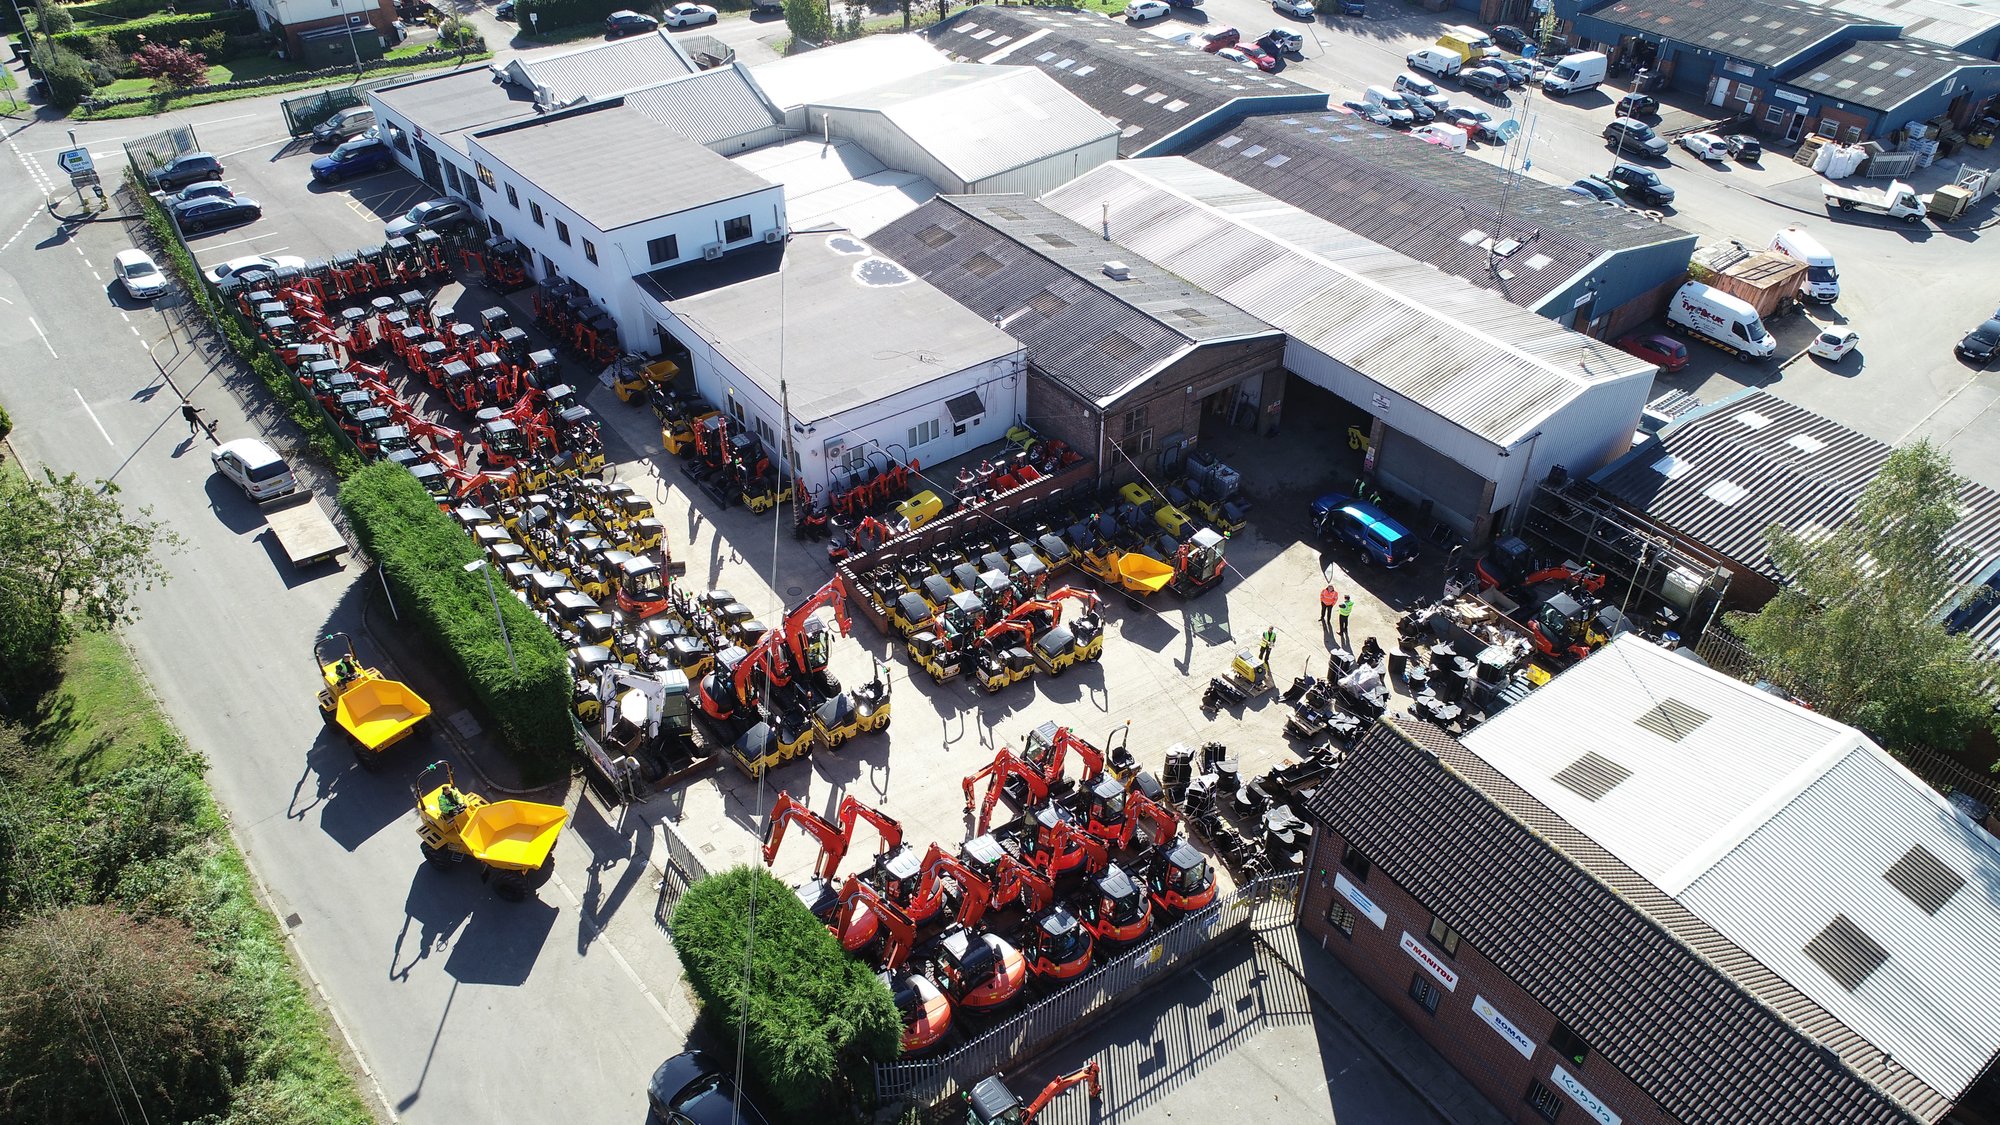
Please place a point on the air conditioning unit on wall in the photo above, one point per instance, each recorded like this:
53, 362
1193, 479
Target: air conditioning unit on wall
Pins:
712, 251
775, 234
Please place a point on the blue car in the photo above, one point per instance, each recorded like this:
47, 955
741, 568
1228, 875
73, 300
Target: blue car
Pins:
1364, 527
355, 158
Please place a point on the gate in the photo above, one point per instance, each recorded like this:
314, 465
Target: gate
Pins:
683, 869
307, 110
152, 152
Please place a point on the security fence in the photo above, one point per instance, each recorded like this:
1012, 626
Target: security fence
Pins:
1044, 1022
153, 151
683, 869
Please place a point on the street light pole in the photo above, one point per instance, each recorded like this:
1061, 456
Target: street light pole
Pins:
505, 641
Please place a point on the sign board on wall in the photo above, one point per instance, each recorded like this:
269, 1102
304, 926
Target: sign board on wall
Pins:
1421, 954
1796, 99
1590, 1103
1361, 901
1504, 1027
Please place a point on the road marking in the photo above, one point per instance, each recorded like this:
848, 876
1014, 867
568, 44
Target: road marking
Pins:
19, 233
121, 312
599, 937
45, 340
93, 416
252, 148
134, 328
206, 246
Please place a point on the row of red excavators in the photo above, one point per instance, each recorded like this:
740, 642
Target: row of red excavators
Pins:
1045, 896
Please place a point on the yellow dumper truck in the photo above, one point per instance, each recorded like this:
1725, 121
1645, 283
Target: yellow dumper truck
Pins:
376, 712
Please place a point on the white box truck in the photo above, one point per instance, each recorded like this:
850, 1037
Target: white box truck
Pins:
1822, 278
1573, 74
1730, 323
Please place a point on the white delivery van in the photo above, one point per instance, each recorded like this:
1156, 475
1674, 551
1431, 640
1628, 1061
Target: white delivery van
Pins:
1435, 60
1573, 74
1391, 103
1725, 321
1822, 279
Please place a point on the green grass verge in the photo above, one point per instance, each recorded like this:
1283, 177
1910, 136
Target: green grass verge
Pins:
89, 725
198, 97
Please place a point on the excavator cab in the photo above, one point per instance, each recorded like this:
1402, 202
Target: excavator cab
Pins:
925, 1011
1181, 880
1062, 945
992, 1103
642, 588
1199, 562
1106, 808
983, 971
1117, 910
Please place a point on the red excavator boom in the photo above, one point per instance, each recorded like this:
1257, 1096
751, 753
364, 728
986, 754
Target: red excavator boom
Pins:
1003, 766
787, 811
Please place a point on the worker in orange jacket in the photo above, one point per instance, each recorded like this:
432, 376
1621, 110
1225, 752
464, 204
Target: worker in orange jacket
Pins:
1328, 598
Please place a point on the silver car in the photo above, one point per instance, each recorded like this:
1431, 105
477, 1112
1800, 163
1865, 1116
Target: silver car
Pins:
432, 214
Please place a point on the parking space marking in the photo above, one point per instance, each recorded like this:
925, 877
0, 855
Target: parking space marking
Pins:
88, 410
45, 341
238, 242
253, 148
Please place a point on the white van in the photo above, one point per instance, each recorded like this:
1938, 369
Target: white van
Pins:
1391, 103
1435, 60
1441, 135
1573, 74
1725, 321
1424, 90
1822, 279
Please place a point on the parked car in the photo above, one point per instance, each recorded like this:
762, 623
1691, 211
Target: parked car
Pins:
432, 214
1637, 105
253, 267
212, 213
1236, 56
1304, 9
355, 158
1374, 114
504, 10
1625, 133
1444, 136
1278, 41
205, 190
1833, 344
1353, 7
1642, 184
1657, 348
350, 122
1265, 60
1145, 10
1485, 80
1220, 37
1706, 146
1477, 122
1980, 343
691, 15
1747, 149
1510, 38
255, 468
139, 275
1379, 539
694, 1089
1417, 89
183, 170
1519, 73
622, 23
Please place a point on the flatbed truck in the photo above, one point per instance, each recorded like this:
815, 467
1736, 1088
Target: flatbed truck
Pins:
303, 531
1898, 201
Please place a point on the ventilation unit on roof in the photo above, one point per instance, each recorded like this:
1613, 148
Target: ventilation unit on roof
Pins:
1925, 879
1592, 776
1846, 953
1671, 719
1117, 271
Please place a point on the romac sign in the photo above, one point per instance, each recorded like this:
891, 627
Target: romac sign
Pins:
1423, 956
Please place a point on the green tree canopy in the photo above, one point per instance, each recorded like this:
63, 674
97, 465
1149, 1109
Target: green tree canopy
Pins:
1858, 628
809, 21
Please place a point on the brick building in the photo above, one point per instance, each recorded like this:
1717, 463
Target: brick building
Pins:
1650, 893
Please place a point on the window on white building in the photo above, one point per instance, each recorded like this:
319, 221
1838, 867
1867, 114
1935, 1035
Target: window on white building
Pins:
923, 432
512, 199
562, 232
663, 249
590, 251
535, 212
736, 229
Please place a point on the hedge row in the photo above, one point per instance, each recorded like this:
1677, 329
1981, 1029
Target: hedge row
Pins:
423, 553
569, 13
816, 1017
293, 77
162, 29
101, 12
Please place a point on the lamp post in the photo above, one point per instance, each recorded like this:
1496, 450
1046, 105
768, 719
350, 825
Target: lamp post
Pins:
505, 641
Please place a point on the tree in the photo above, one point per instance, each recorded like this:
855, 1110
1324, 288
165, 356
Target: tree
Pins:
70, 558
64, 72
809, 21
52, 19
98, 1008
1859, 627
176, 68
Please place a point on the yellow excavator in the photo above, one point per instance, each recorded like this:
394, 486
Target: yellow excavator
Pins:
512, 841
375, 711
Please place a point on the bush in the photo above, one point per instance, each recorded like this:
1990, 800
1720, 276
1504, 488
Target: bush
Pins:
423, 553
816, 1017
52, 19
6, 423
162, 29
456, 32
175, 68
214, 46
101, 12
67, 75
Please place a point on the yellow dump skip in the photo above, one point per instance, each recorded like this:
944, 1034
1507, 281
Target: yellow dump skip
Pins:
378, 712
513, 835
1143, 572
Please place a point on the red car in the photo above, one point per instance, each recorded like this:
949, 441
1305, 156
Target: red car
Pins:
1654, 347
1265, 60
1219, 38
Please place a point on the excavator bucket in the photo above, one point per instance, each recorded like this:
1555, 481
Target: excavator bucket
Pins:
513, 835
1143, 573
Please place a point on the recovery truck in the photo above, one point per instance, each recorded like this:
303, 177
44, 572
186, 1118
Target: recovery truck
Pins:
1898, 201
303, 531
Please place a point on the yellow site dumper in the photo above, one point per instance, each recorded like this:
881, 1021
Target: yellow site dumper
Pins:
375, 711
513, 841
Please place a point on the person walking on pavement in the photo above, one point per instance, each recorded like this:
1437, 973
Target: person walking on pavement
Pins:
1346, 611
192, 416
1328, 598
1269, 641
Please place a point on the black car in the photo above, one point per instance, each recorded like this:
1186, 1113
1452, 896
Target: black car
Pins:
1485, 79
1509, 38
1596, 189
183, 170
692, 1089
1747, 149
1374, 114
1642, 184
622, 23
1477, 122
1980, 343
1637, 105
1518, 73
211, 213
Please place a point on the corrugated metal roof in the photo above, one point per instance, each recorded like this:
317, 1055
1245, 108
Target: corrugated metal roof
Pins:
709, 106
1041, 278
1685, 796
981, 121
637, 168
1825, 853
1149, 87
1701, 1026
845, 68
1942, 22
1422, 201
1461, 352
605, 70
1724, 475
1769, 33
1882, 75
837, 185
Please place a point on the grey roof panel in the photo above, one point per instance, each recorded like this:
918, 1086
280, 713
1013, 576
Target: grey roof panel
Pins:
709, 106
447, 106
603, 70
1769, 33
1883, 74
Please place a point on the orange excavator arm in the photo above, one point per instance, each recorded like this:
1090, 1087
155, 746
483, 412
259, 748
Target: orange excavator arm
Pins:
1004, 765
1061, 1086
1066, 742
787, 811
974, 893
1016, 880
834, 594
759, 657
1165, 823
900, 930
851, 811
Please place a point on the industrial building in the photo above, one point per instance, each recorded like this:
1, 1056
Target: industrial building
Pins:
1462, 400
1129, 362
1650, 893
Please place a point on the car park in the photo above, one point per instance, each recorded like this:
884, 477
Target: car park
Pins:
355, 158
693, 1088
432, 214
1265, 60
1304, 9
1485, 80
1145, 10
691, 15
1642, 184
1628, 134
1422, 91
1979, 344
1637, 105
255, 468
139, 275
1478, 122
183, 170
252, 267
1377, 538
1434, 61
1509, 38
1374, 114
622, 23
1656, 348
1749, 150
212, 213
1705, 146
1278, 41
1833, 344
208, 189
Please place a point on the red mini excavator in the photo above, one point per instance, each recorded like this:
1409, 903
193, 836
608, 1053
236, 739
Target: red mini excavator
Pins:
816, 892
1114, 815
973, 892
806, 643
925, 1009
1005, 765
852, 811
1048, 746
992, 1103
980, 971
1179, 878
1056, 944
863, 913
1116, 909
